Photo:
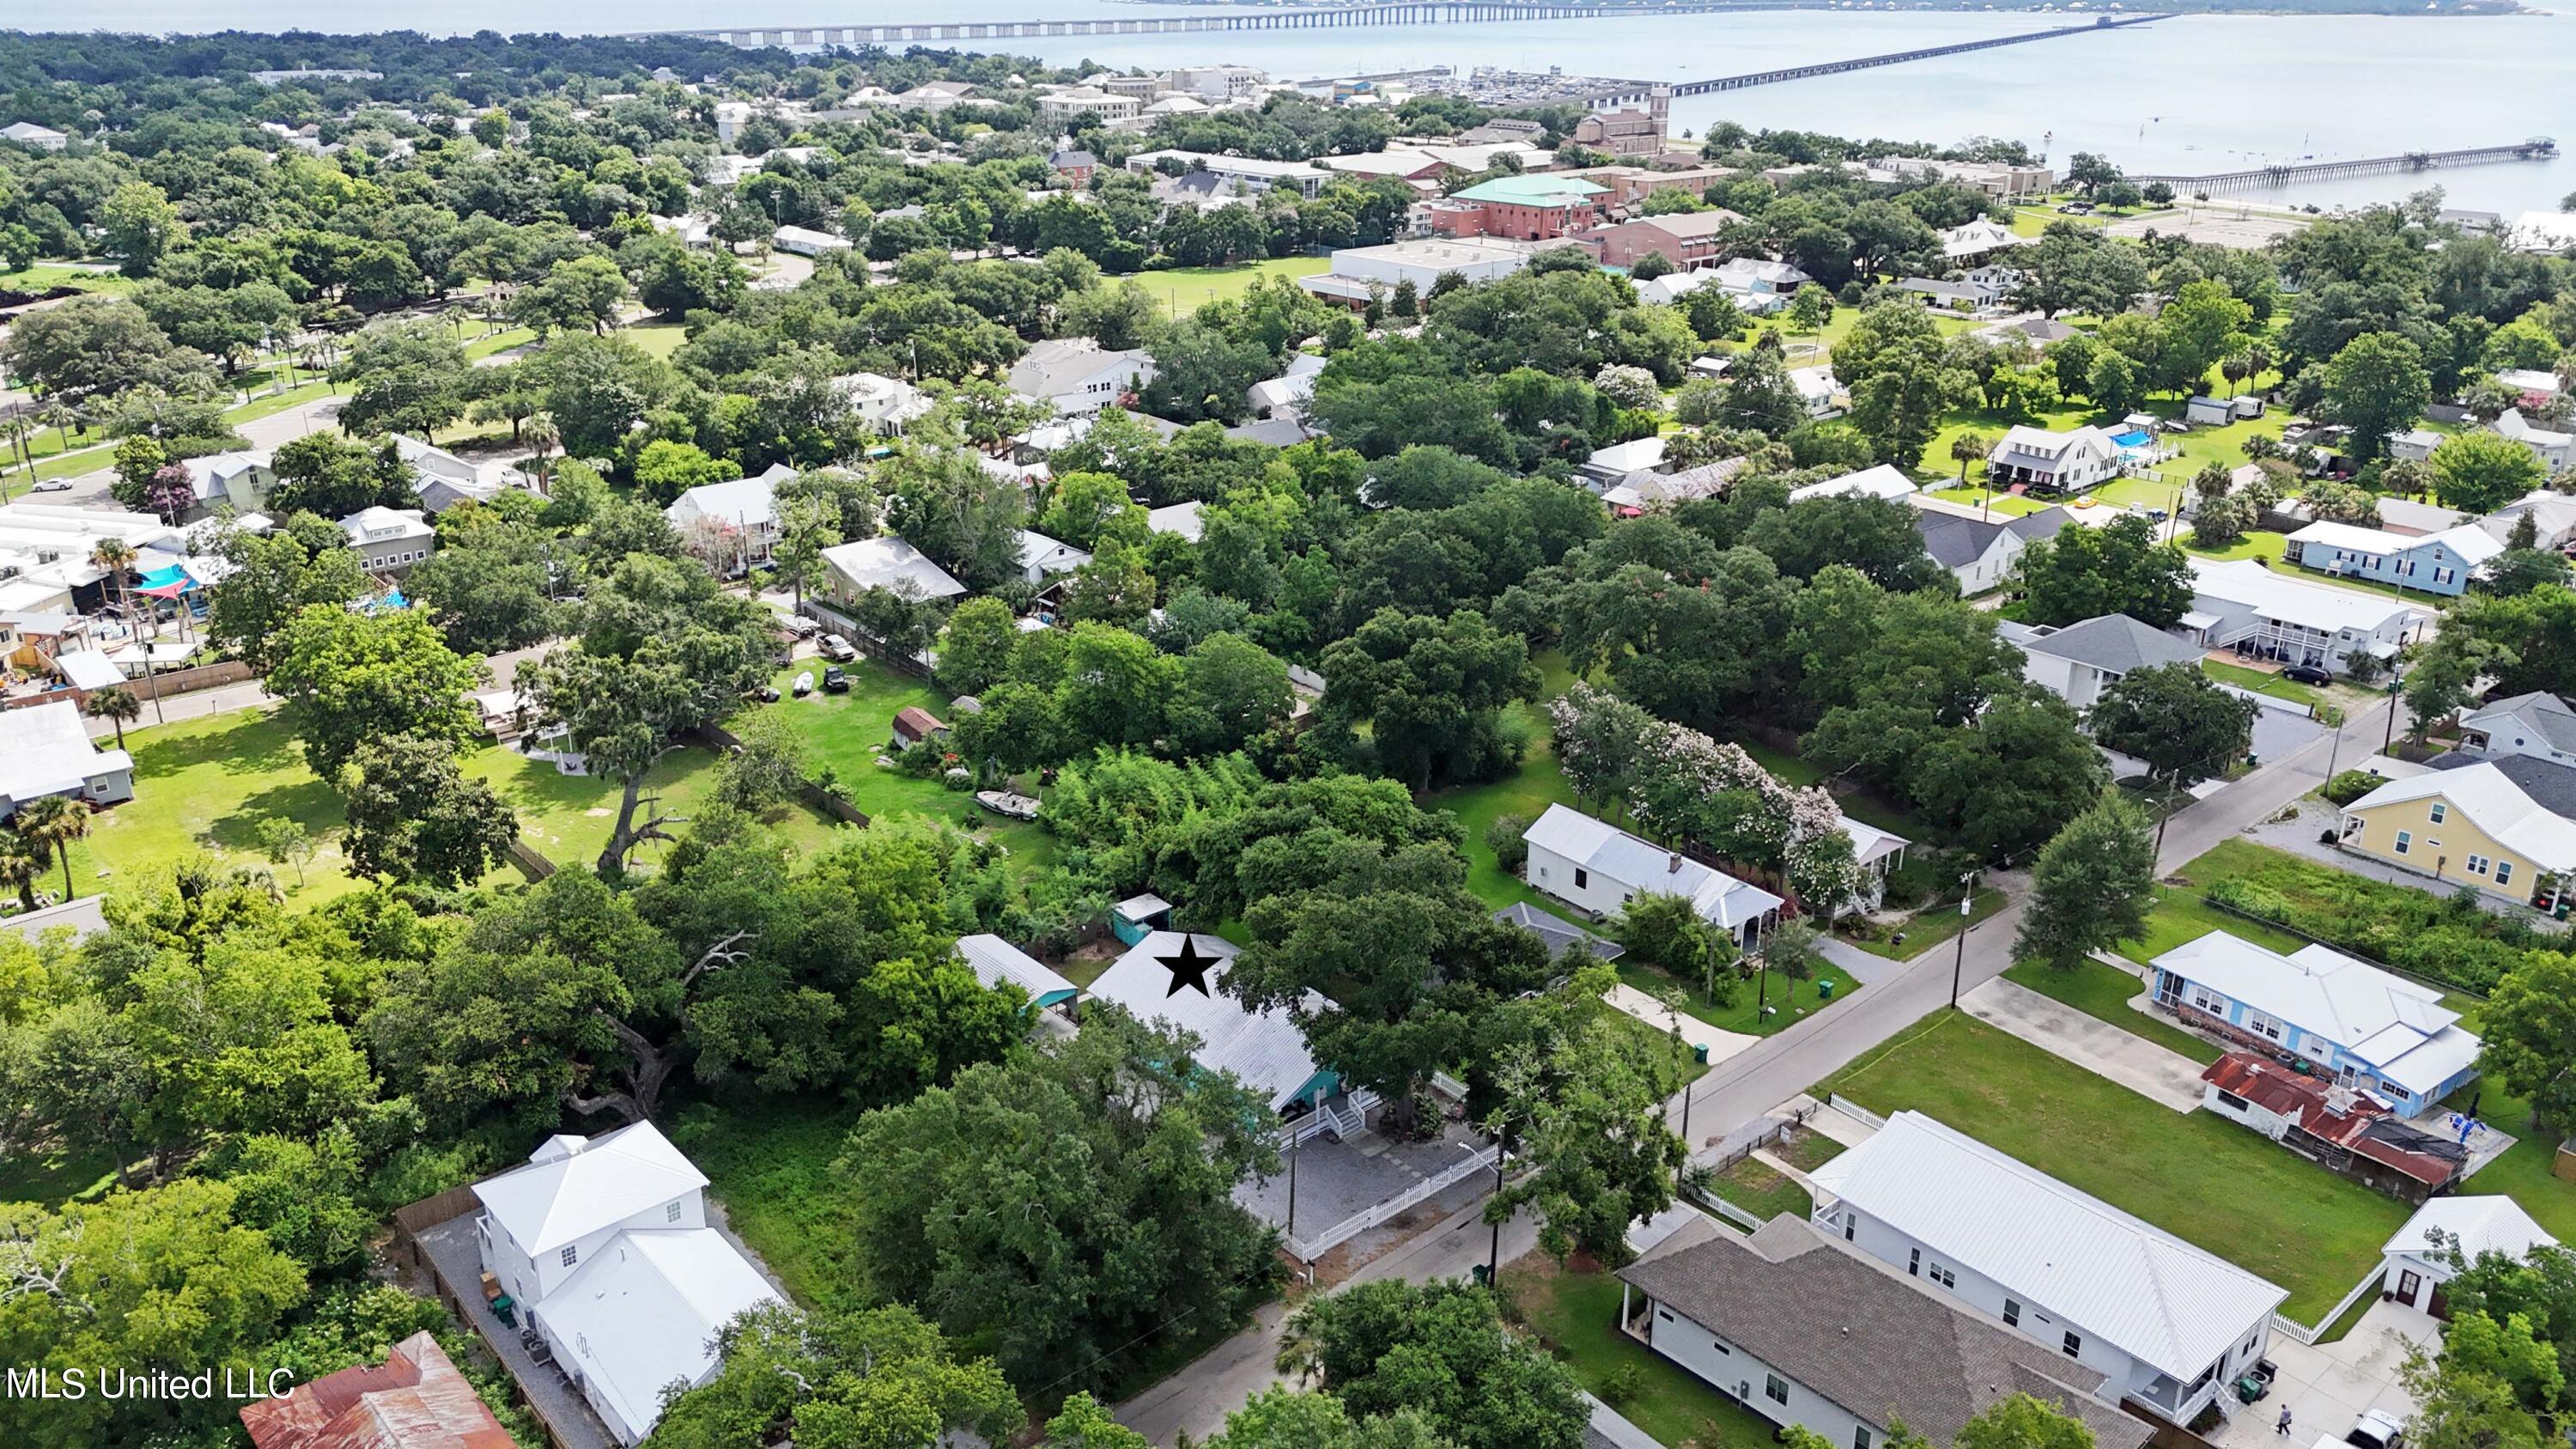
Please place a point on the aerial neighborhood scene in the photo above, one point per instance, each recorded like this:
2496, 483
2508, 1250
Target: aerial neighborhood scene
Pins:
1453, 724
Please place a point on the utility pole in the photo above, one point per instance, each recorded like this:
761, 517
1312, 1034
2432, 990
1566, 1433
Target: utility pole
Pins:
2163, 819
1494, 1253
1959, 962
2389, 739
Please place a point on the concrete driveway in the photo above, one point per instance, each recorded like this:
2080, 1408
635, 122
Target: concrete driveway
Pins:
2329, 1385
1720, 1044
2157, 1073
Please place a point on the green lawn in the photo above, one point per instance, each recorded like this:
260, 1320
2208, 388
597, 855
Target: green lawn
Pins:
1576, 1313
1762, 1191
2103, 992
2263, 682
1182, 290
1791, 1002
770, 1164
2523, 1171
659, 338
846, 733
2009, 505
1929, 927
2202, 1178
1527, 792
45, 276
206, 784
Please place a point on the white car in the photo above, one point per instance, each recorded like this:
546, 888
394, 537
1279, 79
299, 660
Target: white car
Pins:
804, 683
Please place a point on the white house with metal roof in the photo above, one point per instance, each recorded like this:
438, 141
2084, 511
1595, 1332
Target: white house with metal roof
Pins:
736, 520
851, 569
996, 961
2418, 1260
1042, 558
46, 750
2266, 614
2068, 462
2167, 1324
1881, 481
1265, 1050
1596, 867
602, 1243
2354, 1023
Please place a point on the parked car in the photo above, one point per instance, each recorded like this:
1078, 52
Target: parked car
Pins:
2157, 515
2376, 1430
835, 680
804, 683
53, 485
2076, 208
800, 626
2306, 674
838, 649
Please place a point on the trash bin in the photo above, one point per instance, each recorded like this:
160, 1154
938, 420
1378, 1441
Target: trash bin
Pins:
1481, 1277
1699, 1052
1825, 989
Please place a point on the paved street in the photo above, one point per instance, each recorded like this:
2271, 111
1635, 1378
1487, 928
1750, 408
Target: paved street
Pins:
1744, 1088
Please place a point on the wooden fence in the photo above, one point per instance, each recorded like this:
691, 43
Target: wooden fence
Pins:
823, 802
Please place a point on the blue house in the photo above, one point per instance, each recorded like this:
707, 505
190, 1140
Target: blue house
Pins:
2432, 563
2352, 1023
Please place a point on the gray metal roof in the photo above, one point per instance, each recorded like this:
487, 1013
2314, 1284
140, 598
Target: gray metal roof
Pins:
1854, 1332
2114, 642
1560, 934
2551, 786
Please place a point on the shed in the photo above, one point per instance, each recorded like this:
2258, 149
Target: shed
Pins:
913, 724
2211, 412
2417, 1266
1132, 919
996, 961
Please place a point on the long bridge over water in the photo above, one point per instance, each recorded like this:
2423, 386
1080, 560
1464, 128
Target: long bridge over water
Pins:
1639, 92
2538, 148
1320, 17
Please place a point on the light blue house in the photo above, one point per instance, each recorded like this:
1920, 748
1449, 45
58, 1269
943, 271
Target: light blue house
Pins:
2352, 1023
2434, 563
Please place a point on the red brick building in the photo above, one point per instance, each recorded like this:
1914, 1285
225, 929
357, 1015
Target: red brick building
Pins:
1687, 239
1522, 208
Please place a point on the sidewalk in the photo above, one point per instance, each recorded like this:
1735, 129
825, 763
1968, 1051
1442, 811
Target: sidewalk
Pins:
1720, 1044
2155, 1072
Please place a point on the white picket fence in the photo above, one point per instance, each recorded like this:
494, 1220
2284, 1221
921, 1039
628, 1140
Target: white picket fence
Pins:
1347, 1122
1316, 1245
1856, 1111
1728, 1211
2306, 1333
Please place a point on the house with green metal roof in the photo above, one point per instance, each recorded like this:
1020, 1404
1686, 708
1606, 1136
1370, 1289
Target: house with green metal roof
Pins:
1523, 208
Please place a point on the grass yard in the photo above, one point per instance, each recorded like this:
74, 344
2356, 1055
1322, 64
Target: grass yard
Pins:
1929, 927
1183, 290
845, 733
2264, 682
1761, 1191
771, 1166
1791, 1002
2202, 1178
567, 818
1576, 1313
2103, 993
1537, 784
2009, 505
45, 276
659, 338
2183, 916
2523, 1171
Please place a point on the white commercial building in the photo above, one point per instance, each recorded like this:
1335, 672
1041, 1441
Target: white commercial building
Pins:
1882, 481
1249, 172
2168, 1325
1361, 272
1598, 868
603, 1243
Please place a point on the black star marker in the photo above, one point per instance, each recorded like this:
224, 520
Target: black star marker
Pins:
1189, 968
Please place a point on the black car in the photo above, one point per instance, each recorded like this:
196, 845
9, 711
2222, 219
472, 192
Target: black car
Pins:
2305, 674
836, 680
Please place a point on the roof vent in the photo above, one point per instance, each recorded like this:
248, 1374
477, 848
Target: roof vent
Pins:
1673, 863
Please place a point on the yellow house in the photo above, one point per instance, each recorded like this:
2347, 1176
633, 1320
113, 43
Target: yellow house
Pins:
2502, 825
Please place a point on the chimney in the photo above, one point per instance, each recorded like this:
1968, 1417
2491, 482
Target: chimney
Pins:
1673, 863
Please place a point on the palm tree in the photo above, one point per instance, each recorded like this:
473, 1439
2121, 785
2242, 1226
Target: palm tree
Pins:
58, 415
20, 865
542, 435
1968, 448
114, 556
2258, 359
53, 822
2236, 367
117, 703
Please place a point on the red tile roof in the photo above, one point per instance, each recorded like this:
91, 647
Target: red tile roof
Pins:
415, 1399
